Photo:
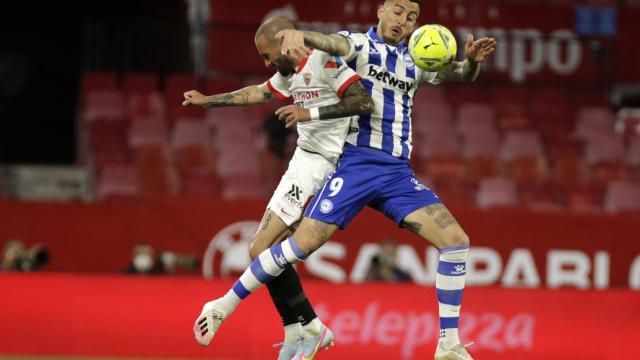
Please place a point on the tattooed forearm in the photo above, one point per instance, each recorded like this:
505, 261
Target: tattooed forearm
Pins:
255, 94
355, 101
460, 71
332, 44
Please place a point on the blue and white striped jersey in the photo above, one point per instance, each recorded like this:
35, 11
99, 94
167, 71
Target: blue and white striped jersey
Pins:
391, 77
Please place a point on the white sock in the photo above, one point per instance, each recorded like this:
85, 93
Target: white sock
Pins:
293, 332
228, 302
313, 328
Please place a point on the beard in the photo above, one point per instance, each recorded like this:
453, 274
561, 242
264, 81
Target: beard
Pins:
285, 66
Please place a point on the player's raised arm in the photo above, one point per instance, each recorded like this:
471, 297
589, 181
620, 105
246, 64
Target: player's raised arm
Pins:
294, 41
355, 101
255, 94
468, 70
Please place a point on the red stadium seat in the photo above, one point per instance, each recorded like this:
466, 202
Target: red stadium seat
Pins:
541, 197
570, 171
474, 117
521, 144
622, 196
443, 170
237, 159
594, 122
633, 153
481, 143
191, 142
104, 105
523, 154
145, 107
225, 118
604, 148
584, 198
481, 152
152, 131
140, 83
437, 144
628, 122
497, 192
156, 172
432, 118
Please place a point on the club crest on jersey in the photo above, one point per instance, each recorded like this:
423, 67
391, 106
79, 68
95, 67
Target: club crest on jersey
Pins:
307, 78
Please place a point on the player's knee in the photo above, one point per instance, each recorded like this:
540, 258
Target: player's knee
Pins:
255, 248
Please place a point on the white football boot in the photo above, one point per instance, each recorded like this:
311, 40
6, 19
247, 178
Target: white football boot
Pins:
208, 322
456, 352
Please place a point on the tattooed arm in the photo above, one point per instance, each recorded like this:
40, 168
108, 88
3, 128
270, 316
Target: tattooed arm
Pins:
355, 101
296, 41
460, 71
476, 52
255, 94
333, 44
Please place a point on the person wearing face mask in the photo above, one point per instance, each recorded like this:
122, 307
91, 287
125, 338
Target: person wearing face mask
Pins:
145, 262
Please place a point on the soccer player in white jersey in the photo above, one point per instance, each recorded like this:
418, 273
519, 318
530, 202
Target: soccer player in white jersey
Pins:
373, 169
326, 93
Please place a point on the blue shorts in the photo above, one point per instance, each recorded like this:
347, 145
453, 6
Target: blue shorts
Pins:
367, 176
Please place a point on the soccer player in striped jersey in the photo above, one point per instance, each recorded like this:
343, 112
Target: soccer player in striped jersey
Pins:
326, 93
373, 169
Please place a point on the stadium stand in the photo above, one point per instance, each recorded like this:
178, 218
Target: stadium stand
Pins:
475, 147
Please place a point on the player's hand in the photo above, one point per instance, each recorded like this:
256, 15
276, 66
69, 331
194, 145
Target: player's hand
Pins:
292, 114
292, 42
194, 97
480, 49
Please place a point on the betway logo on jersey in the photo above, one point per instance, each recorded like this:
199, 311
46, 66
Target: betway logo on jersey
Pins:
305, 95
389, 79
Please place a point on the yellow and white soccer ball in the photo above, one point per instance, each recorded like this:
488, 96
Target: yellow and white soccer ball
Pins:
432, 47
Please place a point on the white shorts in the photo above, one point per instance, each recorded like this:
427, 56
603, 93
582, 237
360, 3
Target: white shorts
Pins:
306, 174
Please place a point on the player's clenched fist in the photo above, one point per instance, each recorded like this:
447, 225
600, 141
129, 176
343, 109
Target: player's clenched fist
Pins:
292, 114
193, 97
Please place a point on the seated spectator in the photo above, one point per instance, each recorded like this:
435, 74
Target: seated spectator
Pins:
146, 261
383, 266
18, 257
